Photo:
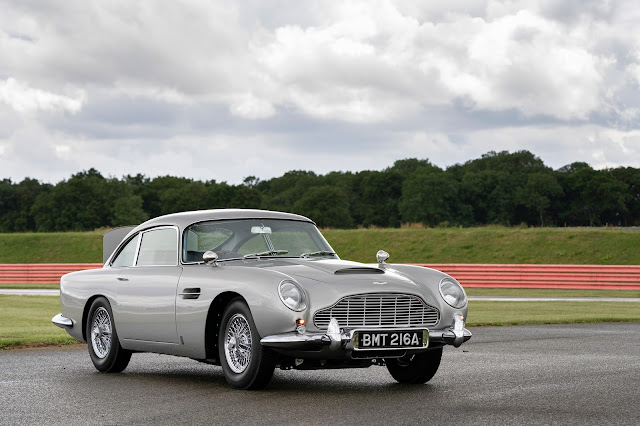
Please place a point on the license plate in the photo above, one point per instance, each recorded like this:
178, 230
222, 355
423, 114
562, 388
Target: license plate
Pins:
390, 339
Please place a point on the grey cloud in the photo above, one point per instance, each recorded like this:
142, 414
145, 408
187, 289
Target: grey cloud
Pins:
570, 11
225, 90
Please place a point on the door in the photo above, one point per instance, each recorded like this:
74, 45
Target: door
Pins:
146, 291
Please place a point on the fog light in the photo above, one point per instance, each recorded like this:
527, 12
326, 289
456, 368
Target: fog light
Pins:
300, 321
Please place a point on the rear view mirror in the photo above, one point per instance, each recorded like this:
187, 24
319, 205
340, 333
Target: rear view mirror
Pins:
260, 230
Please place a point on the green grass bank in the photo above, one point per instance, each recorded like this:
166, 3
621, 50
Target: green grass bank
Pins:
597, 246
51, 247
586, 246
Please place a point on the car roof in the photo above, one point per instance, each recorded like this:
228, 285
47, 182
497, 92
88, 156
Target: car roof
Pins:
184, 219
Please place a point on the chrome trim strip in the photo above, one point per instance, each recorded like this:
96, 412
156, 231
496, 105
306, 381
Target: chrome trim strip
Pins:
294, 340
448, 337
62, 322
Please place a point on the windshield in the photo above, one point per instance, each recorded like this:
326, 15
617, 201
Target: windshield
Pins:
252, 238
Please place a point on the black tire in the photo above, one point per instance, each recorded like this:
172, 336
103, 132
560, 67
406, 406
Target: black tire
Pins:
102, 339
418, 369
245, 362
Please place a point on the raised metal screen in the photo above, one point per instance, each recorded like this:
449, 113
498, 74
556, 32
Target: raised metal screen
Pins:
378, 310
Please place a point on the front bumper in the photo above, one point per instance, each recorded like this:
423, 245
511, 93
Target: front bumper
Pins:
337, 338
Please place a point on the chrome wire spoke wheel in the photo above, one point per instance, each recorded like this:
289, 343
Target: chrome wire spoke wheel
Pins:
237, 343
101, 333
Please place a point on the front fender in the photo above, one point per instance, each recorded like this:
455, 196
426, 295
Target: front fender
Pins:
429, 281
257, 286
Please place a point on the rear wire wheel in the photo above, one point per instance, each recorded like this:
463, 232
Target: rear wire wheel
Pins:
245, 362
416, 369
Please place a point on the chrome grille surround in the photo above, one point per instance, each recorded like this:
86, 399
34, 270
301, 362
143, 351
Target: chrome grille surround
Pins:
379, 310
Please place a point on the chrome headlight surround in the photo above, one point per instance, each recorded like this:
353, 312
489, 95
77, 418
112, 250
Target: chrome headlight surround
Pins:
452, 293
292, 295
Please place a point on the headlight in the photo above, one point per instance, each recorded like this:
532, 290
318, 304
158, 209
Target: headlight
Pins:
453, 293
292, 295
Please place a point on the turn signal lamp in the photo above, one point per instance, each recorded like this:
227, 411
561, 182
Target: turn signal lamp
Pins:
300, 327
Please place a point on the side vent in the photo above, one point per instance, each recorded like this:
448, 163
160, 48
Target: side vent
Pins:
190, 293
359, 271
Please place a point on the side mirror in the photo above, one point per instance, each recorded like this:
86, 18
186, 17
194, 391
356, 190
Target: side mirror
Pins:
210, 258
382, 257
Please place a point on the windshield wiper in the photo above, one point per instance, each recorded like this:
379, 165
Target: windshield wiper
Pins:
264, 253
317, 253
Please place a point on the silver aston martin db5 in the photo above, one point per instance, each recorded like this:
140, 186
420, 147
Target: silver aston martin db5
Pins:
252, 290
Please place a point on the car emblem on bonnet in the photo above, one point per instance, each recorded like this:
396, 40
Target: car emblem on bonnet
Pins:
380, 282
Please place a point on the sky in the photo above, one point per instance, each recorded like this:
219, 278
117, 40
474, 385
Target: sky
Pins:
220, 90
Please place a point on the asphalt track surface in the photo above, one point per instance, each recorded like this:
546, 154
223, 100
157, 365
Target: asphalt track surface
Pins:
553, 374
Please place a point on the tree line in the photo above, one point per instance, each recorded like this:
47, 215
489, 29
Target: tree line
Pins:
498, 188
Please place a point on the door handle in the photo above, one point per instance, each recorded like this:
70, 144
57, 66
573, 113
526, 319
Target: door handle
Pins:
122, 278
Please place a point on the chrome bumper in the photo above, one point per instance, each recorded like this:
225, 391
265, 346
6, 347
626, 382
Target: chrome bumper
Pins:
337, 338
62, 322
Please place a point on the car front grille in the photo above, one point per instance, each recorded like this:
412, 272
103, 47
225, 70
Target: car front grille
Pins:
379, 310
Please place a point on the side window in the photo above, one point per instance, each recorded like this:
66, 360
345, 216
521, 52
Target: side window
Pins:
126, 257
159, 247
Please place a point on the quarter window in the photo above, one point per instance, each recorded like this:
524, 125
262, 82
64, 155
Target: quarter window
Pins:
126, 257
159, 247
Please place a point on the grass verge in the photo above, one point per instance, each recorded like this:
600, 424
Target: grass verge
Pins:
26, 320
34, 286
521, 313
539, 292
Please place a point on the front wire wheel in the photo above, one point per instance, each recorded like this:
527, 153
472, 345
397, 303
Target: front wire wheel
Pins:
104, 347
245, 362
101, 332
237, 344
416, 369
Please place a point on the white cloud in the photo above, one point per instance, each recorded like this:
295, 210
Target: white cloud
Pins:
527, 63
364, 57
23, 98
358, 61
63, 151
251, 107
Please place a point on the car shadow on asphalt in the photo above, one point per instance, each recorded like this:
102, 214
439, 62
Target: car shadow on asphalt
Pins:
317, 382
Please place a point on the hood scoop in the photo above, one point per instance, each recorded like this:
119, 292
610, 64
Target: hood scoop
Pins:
359, 271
